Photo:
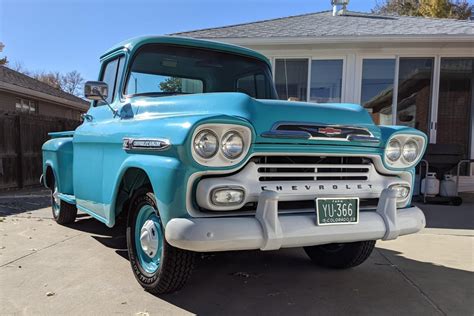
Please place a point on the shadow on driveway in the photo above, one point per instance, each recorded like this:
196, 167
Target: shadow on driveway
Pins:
14, 203
449, 217
286, 282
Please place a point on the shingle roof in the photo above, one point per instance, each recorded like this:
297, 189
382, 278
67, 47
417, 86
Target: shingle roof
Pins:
18, 79
323, 24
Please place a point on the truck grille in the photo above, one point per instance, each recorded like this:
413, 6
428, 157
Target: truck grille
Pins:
311, 168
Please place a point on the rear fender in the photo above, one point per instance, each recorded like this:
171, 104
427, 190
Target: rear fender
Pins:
58, 158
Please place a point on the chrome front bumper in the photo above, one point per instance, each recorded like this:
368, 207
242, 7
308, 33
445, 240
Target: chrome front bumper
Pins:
268, 230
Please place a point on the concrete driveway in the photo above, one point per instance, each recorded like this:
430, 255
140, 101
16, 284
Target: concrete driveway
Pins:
83, 269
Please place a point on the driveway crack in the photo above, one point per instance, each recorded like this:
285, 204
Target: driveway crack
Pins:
414, 285
39, 250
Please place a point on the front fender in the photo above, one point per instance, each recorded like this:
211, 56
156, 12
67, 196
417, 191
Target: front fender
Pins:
167, 176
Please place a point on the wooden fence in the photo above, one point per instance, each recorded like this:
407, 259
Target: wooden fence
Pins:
21, 138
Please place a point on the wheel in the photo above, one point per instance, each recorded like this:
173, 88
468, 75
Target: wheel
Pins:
340, 256
456, 201
157, 266
63, 212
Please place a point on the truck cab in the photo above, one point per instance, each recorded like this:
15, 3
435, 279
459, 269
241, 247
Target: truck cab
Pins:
187, 142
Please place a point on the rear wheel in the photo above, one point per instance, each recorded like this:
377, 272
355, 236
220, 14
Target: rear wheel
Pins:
158, 266
342, 255
63, 212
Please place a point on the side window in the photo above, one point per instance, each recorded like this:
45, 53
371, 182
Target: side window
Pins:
112, 72
247, 85
260, 84
254, 85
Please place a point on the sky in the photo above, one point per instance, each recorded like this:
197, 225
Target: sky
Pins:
66, 35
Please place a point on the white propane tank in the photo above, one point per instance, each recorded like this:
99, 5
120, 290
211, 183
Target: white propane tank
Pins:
447, 186
430, 184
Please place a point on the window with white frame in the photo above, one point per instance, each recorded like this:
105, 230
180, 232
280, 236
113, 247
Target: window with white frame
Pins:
291, 78
326, 80
26, 106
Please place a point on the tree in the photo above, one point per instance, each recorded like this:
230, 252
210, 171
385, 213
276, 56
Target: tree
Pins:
171, 84
72, 82
454, 9
3, 61
399, 7
53, 79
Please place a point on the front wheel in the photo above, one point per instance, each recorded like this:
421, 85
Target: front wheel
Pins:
158, 266
341, 256
63, 213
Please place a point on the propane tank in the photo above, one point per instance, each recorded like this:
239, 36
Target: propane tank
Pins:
447, 186
430, 184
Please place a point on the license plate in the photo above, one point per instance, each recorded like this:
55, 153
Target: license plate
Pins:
330, 211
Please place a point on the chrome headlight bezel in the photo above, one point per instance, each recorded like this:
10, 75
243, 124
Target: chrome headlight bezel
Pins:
220, 159
403, 139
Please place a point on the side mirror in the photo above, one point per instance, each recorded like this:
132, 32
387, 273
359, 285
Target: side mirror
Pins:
96, 90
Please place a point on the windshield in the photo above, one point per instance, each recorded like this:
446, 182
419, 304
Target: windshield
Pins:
159, 69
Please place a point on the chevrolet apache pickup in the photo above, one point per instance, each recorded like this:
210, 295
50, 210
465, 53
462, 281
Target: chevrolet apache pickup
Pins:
187, 142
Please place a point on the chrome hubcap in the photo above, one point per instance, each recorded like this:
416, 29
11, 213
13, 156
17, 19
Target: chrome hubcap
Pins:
149, 238
56, 201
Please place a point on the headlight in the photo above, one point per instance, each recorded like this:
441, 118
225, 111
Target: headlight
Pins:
232, 145
393, 150
410, 151
220, 145
404, 150
206, 144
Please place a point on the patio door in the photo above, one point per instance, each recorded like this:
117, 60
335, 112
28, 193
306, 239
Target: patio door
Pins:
414, 93
398, 91
455, 103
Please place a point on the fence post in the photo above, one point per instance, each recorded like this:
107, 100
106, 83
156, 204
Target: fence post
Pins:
19, 153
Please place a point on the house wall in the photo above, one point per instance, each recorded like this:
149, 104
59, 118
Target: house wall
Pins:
353, 55
8, 101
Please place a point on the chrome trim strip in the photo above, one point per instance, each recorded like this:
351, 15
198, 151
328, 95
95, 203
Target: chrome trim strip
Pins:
360, 138
286, 134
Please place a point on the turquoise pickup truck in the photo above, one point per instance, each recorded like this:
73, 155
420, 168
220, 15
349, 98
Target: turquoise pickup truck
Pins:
187, 141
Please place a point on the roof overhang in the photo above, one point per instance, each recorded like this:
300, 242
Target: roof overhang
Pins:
11, 88
346, 39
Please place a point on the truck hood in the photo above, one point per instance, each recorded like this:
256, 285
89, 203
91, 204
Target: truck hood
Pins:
274, 121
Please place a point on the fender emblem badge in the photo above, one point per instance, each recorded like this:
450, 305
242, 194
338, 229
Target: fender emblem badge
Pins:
145, 144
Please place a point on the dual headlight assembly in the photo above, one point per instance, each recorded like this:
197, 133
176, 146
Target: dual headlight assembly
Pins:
404, 151
220, 145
